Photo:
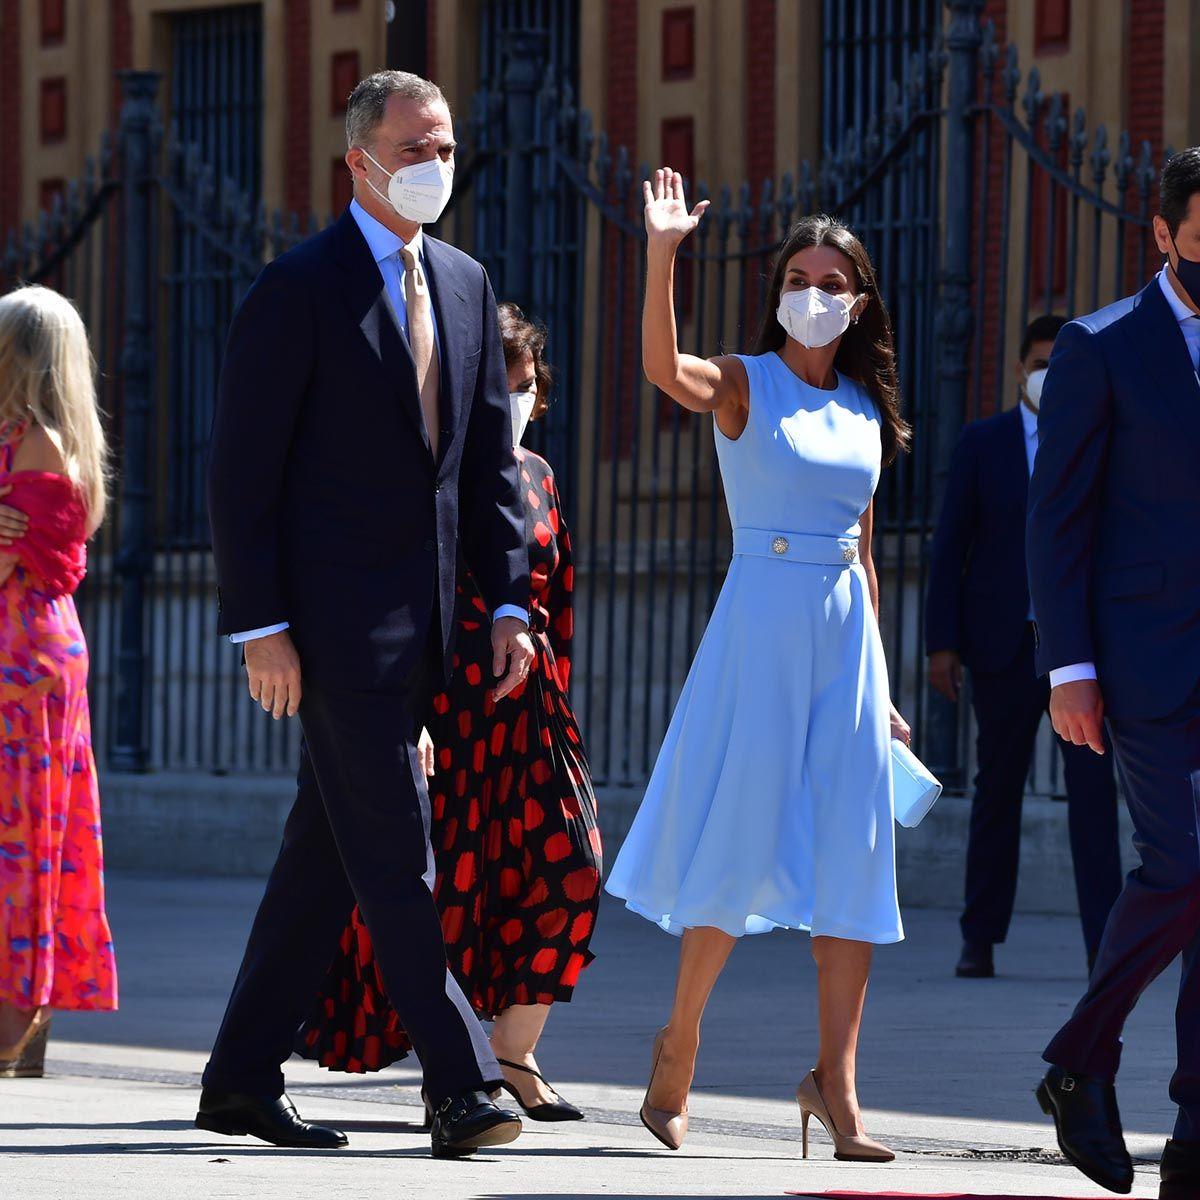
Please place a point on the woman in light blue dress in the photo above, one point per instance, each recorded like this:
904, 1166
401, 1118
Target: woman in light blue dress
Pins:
770, 805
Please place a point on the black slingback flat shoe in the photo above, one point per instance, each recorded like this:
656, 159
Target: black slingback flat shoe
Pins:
556, 1110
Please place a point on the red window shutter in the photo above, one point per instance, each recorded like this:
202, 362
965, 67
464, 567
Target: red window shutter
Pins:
53, 110
343, 77
1051, 26
678, 43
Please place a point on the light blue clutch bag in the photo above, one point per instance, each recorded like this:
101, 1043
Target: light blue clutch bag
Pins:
914, 789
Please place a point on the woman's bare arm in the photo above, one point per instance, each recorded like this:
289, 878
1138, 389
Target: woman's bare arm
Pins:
867, 523
701, 385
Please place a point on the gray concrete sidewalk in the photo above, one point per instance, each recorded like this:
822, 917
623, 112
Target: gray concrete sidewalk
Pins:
947, 1070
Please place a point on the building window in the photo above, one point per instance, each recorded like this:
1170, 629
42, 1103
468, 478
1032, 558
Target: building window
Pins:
53, 110
1051, 26
678, 44
341, 186
53, 22
343, 77
345, 5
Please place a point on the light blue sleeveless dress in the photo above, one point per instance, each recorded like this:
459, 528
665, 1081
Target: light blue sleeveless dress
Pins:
770, 804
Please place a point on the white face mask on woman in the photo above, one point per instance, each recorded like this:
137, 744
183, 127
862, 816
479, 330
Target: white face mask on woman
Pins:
521, 405
419, 192
813, 317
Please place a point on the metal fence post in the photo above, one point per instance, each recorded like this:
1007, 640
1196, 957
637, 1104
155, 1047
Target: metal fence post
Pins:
524, 51
954, 321
134, 534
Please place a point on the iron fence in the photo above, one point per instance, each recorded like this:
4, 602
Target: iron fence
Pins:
980, 200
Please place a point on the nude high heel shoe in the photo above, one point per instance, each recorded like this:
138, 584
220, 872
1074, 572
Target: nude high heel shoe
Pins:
26, 1060
669, 1127
845, 1149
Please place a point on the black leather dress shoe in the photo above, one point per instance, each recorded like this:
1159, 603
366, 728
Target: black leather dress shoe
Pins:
1180, 1171
464, 1124
975, 962
1088, 1126
275, 1121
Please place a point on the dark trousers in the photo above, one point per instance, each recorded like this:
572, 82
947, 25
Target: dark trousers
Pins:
1009, 706
1157, 915
359, 831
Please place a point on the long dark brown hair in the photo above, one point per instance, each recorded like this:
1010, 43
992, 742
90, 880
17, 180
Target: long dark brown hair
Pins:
867, 352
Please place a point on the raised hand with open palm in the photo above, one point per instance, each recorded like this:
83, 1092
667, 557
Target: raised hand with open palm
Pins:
667, 217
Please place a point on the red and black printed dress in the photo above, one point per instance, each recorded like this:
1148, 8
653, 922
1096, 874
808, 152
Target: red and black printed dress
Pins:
513, 823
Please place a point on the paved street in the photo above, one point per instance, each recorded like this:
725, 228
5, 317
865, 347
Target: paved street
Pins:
947, 1071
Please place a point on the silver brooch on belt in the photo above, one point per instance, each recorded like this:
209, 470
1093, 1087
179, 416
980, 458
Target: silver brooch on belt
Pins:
780, 545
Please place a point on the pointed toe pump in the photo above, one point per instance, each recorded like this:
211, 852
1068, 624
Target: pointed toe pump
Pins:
669, 1127
845, 1149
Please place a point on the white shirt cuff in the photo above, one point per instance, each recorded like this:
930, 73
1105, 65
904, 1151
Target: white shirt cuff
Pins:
1072, 674
252, 635
511, 610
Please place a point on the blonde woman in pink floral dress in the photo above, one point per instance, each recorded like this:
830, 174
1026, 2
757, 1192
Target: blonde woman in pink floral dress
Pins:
55, 945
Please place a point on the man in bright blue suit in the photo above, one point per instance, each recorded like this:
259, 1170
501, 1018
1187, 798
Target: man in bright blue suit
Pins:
978, 614
1114, 568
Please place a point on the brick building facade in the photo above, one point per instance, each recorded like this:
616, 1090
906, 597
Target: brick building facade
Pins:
728, 89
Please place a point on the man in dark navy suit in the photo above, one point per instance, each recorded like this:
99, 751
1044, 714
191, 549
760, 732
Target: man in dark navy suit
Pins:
362, 434
977, 613
1114, 569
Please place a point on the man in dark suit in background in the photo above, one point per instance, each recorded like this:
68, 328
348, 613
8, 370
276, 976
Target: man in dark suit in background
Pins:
978, 613
1114, 568
362, 432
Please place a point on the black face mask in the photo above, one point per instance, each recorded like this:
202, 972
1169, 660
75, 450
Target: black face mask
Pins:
1188, 273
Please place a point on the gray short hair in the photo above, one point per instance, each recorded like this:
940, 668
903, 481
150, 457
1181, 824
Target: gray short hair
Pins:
364, 109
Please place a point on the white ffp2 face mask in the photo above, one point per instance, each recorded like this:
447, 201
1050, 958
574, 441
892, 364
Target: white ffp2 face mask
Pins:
1034, 382
418, 193
813, 317
521, 406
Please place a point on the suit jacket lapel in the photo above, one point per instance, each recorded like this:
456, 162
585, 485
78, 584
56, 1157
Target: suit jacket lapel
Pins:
447, 294
1154, 331
366, 296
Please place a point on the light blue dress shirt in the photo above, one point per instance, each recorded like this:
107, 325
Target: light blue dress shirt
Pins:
385, 247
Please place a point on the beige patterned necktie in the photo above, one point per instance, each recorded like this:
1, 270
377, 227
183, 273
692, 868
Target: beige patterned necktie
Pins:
420, 339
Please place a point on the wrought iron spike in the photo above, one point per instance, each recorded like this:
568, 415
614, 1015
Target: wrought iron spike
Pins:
1056, 122
936, 62
1011, 76
1145, 174
1033, 98
1167, 155
989, 54
1123, 163
623, 175
873, 141
807, 187
1100, 156
893, 111
766, 208
724, 213
604, 161
1078, 142
585, 139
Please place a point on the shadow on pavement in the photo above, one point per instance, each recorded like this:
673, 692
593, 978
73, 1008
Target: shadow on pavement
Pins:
928, 1039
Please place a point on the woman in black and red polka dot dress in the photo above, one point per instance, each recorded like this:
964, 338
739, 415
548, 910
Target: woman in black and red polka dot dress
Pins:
513, 813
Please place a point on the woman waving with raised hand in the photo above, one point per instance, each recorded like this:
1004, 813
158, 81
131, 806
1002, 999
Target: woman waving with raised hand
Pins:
770, 805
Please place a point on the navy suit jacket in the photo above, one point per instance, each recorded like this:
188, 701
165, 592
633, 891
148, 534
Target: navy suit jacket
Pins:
978, 601
1114, 507
327, 508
